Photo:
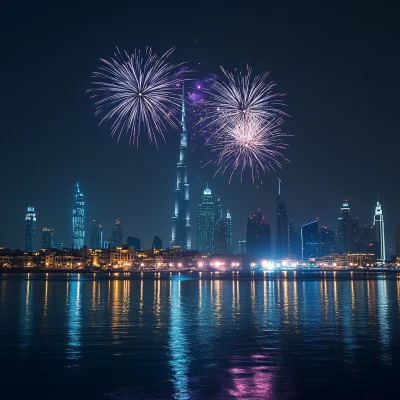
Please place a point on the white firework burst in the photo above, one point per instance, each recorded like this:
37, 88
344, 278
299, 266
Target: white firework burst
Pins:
252, 145
138, 92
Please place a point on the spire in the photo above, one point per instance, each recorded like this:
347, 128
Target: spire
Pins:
207, 191
77, 188
183, 108
279, 186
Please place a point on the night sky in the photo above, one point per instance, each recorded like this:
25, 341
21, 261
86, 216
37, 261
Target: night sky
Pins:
339, 66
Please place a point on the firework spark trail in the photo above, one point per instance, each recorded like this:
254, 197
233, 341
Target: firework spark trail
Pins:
243, 119
251, 144
240, 97
138, 92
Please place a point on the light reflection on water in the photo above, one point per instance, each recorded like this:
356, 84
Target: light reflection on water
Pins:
225, 337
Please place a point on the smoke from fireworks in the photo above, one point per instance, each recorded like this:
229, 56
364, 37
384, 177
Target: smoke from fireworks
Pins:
243, 116
138, 92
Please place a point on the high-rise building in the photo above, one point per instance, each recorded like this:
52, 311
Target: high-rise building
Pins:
48, 239
367, 236
30, 229
258, 238
116, 239
282, 227
343, 229
380, 232
133, 242
326, 241
96, 235
398, 240
206, 222
229, 247
181, 230
294, 243
78, 220
241, 247
310, 240
354, 235
221, 237
157, 243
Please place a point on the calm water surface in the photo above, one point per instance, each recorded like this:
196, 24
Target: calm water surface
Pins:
85, 336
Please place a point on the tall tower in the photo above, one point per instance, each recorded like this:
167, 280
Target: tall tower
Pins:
117, 235
309, 240
379, 232
96, 235
206, 222
229, 232
78, 220
48, 240
258, 238
30, 229
343, 229
181, 230
282, 228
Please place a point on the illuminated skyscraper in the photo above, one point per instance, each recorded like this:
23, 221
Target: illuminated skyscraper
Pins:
229, 246
181, 230
30, 230
398, 240
96, 235
78, 220
379, 232
282, 228
206, 222
117, 235
241, 247
326, 241
310, 240
343, 229
258, 238
48, 240
157, 243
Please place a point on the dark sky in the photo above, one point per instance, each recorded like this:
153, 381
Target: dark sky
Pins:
339, 66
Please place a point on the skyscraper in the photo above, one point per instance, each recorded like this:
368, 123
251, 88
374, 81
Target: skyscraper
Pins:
258, 238
310, 240
398, 240
221, 237
134, 242
326, 241
30, 229
354, 237
78, 220
157, 243
282, 227
379, 232
206, 222
181, 230
229, 246
96, 235
116, 239
367, 238
48, 240
242, 247
343, 229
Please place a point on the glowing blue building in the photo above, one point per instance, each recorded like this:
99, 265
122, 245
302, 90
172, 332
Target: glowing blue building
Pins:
30, 230
78, 220
379, 232
181, 230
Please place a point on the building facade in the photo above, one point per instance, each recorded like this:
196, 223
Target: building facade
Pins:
206, 222
96, 235
282, 228
379, 232
258, 238
181, 229
326, 241
343, 229
48, 239
133, 242
78, 220
157, 243
310, 240
117, 235
30, 229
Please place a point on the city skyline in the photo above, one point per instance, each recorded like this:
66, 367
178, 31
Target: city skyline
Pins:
334, 120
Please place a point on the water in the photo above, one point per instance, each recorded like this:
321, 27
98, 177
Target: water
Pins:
86, 336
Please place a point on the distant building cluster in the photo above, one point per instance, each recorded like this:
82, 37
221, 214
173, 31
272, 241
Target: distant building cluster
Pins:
347, 244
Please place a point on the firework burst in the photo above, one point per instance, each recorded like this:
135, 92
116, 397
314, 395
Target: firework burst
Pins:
240, 97
138, 92
250, 144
